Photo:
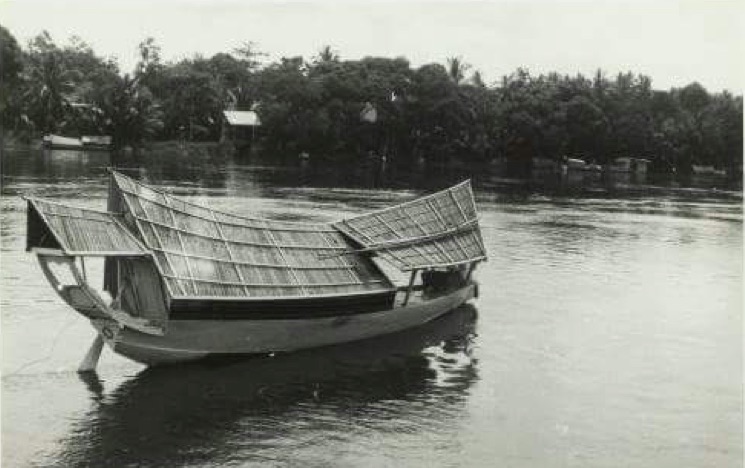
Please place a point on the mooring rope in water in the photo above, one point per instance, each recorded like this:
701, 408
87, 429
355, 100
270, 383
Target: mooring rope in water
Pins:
48, 356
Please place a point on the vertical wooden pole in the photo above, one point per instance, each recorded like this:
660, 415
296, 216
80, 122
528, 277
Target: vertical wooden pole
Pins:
470, 271
82, 266
411, 284
91, 357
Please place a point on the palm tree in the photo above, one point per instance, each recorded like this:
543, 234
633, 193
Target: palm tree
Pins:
326, 55
130, 112
457, 69
48, 87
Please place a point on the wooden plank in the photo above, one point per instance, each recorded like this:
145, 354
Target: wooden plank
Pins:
49, 252
289, 298
299, 285
104, 253
471, 269
440, 265
408, 289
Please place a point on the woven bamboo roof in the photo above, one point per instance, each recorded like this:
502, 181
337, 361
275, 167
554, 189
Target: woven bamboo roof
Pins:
202, 252
434, 231
78, 231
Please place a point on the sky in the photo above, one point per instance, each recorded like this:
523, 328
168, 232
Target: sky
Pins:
673, 42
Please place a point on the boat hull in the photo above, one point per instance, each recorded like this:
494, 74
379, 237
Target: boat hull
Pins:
189, 340
85, 143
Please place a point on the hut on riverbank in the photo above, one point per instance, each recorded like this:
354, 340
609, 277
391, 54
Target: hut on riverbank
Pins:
239, 127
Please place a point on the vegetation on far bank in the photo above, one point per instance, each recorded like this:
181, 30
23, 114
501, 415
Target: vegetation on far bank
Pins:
441, 114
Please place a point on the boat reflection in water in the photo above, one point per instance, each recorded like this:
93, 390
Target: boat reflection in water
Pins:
266, 409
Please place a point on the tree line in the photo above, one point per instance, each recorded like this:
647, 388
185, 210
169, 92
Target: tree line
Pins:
344, 110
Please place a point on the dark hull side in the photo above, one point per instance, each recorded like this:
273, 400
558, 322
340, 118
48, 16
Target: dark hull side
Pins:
288, 308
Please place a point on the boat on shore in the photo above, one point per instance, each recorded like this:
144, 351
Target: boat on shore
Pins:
84, 143
181, 282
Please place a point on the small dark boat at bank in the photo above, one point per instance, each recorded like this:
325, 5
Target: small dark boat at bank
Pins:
182, 282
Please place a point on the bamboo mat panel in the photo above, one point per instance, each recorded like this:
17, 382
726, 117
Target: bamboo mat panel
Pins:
437, 230
206, 253
84, 231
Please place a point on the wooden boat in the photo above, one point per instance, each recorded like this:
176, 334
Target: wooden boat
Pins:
84, 143
61, 142
182, 281
97, 142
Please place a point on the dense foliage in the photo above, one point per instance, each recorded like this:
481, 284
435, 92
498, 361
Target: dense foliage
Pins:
433, 113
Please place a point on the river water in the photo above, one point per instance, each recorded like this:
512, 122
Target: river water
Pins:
608, 333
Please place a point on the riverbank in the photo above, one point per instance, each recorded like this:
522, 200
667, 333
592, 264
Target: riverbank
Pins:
211, 162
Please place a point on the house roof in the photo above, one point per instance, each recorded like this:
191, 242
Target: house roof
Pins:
242, 118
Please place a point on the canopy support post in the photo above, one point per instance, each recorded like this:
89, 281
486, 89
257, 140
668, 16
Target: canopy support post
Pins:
89, 362
411, 284
471, 267
82, 266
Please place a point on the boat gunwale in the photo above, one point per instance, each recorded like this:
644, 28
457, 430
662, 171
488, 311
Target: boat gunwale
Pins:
306, 297
481, 258
270, 285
